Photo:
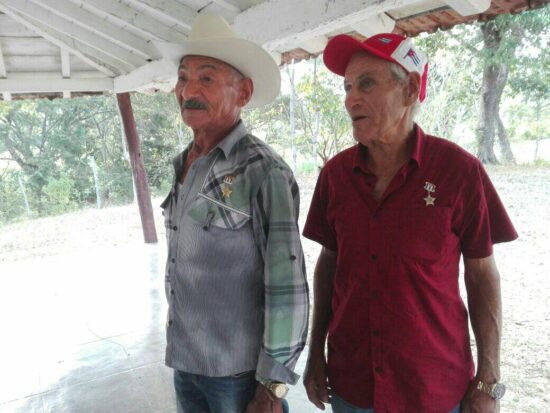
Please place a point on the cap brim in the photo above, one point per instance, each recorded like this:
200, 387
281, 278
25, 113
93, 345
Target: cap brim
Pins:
247, 57
341, 48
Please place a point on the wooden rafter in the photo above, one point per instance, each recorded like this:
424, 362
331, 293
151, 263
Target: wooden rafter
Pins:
168, 10
96, 24
150, 28
59, 40
38, 85
74, 31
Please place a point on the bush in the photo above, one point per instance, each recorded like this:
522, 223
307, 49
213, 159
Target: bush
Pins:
59, 195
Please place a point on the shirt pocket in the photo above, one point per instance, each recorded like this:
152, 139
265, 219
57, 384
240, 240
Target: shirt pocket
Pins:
423, 232
210, 212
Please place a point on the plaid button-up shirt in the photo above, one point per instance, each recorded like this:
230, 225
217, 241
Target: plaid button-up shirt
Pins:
235, 274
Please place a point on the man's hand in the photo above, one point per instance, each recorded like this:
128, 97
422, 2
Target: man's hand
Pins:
315, 381
476, 401
264, 402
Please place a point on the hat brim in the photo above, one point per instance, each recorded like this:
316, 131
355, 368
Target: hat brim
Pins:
340, 49
245, 56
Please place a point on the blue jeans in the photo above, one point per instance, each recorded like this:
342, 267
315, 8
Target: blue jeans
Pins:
203, 394
341, 406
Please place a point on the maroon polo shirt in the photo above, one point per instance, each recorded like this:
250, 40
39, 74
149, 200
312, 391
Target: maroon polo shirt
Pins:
398, 338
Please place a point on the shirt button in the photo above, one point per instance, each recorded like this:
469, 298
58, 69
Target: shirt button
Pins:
175, 227
373, 257
378, 369
374, 295
171, 292
376, 333
173, 260
170, 322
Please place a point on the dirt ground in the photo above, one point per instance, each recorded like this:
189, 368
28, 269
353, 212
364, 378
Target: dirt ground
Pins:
524, 266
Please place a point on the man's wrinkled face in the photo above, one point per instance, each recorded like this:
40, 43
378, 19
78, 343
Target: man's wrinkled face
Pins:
209, 92
375, 100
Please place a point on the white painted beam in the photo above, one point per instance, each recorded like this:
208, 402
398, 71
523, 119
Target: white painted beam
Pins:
6, 96
159, 71
169, 10
469, 7
228, 5
65, 64
150, 28
290, 26
74, 31
314, 45
58, 40
2, 64
100, 26
24, 76
380, 23
86, 50
38, 85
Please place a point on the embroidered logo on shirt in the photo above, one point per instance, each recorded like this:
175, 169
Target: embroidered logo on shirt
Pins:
430, 188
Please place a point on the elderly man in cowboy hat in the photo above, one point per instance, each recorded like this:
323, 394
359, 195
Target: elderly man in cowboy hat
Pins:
394, 214
235, 277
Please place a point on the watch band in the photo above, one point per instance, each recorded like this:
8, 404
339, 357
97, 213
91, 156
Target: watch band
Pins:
496, 390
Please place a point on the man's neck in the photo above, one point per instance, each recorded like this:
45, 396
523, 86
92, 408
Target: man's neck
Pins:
386, 158
206, 139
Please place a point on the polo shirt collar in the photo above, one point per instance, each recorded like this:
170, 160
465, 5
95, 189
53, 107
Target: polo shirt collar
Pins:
361, 152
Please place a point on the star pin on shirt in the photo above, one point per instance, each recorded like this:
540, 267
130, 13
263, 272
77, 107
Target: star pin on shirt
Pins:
429, 199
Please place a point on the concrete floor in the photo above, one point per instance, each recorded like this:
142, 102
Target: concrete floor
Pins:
85, 334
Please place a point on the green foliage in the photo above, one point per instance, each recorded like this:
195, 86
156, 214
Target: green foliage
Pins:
11, 199
51, 144
59, 194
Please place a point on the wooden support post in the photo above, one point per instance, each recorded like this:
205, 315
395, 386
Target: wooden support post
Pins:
138, 168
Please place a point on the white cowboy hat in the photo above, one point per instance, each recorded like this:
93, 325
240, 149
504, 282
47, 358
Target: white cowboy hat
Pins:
211, 36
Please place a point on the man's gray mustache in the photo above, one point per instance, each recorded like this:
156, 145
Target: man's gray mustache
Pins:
193, 104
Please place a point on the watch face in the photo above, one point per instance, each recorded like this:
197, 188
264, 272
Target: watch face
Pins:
498, 391
279, 390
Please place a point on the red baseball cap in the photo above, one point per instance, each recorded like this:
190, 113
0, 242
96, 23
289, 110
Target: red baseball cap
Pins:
388, 46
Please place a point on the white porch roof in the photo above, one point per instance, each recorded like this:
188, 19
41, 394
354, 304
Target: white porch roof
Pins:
54, 48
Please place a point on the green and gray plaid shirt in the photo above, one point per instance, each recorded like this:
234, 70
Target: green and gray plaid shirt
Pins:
235, 274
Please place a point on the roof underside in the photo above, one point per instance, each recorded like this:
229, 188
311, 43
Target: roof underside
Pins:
63, 48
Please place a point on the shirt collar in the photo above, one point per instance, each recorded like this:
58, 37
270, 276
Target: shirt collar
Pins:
361, 151
226, 146
227, 143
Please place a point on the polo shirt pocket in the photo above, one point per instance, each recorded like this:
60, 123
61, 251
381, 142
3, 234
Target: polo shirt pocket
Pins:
210, 212
423, 232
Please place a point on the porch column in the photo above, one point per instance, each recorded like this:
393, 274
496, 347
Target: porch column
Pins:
138, 168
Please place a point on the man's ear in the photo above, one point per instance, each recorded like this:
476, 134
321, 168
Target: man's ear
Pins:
413, 88
246, 88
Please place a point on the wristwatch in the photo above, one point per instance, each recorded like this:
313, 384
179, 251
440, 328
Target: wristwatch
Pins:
279, 390
496, 390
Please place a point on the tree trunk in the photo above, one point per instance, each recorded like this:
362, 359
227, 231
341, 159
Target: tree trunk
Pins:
495, 77
505, 147
315, 135
291, 74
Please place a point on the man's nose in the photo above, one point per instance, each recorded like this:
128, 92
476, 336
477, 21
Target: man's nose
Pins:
189, 90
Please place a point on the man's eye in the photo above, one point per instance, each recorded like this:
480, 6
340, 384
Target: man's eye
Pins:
206, 79
365, 83
182, 79
347, 88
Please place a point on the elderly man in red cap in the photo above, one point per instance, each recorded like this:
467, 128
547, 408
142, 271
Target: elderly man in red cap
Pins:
394, 214
235, 275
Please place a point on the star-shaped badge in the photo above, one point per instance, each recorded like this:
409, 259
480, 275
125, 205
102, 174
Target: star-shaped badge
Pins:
430, 200
226, 191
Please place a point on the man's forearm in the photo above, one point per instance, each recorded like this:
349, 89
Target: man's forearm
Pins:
484, 302
322, 312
